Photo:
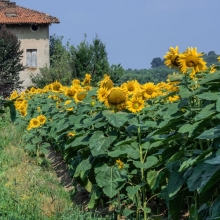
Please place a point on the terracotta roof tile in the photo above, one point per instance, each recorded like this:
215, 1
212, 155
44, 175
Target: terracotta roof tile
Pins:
25, 15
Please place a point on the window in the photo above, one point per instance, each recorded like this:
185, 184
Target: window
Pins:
31, 57
34, 27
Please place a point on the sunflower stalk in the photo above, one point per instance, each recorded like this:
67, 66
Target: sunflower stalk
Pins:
143, 191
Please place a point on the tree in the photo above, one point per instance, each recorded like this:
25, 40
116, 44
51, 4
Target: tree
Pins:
90, 58
156, 62
10, 62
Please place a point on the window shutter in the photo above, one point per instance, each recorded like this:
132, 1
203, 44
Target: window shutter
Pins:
28, 58
34, 58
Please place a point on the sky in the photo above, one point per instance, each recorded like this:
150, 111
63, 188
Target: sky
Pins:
135, 31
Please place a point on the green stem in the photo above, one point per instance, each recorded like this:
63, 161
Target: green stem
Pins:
119, 207
142, 175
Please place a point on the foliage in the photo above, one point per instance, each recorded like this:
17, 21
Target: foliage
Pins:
10, 65
90, 58
68, 62
165, 156
156, 62
61, 65
211, 58
146, 75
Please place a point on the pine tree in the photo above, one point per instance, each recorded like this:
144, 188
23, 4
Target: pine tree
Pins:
10, 62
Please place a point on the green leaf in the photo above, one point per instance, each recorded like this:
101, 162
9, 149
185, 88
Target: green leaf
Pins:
82, 168
215, 160
96, 193
208, 96
99, 143
210, 134
30, 147
105, 178
12, 112
151, 161
132, 190
215, 209
127, 212
205, 112
116, 119
152, 178
218, 105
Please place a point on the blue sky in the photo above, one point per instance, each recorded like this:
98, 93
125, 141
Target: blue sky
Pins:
135, 32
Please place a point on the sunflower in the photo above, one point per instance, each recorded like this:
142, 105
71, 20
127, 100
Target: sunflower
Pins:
135, 104
71, 134
172, 58
150, 90
106, 82
131, 86
80, 95
212, 68
23, 112
116, 98
76, 82
70, 92
56, 86
191, 59
33, 90
87, 79
120, 164
102, 94
14, 95
42, 119
218, 59
67, 102
173, 98
34, 123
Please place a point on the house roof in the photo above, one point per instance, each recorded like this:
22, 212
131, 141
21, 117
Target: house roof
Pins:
21, 15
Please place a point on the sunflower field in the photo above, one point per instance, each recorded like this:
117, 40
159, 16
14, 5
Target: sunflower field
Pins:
148, 151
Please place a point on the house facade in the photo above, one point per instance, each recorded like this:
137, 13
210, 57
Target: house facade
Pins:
32, 29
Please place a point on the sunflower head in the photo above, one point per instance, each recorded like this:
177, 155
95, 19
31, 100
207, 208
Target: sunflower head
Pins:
106, 82
102, 94
14, 95
34, 123
80, 95
42, 119
150, 90
172, 57
116, 98
191, 59
56, 86
87, 79
135, 104
131, 86
120, 164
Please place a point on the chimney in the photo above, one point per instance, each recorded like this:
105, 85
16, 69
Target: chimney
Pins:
4, 3
10, 10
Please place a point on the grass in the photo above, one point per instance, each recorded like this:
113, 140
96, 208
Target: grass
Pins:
28, 191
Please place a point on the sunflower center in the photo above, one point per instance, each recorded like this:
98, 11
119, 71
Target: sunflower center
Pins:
116, 97
35, 122
56, 87
191, 61
81, 96
109, 84
136, 105
149, 91
174, 60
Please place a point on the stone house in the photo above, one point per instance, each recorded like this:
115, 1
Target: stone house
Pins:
32, 29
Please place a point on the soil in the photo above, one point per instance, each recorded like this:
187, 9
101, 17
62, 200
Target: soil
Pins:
61, 169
